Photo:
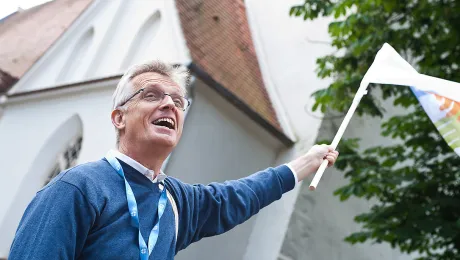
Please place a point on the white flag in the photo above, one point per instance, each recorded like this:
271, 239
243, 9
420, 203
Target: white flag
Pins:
439, 98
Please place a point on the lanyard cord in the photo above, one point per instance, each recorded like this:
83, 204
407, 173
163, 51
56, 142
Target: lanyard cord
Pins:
144, 251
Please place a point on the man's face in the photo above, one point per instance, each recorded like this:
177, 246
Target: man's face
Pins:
149, 123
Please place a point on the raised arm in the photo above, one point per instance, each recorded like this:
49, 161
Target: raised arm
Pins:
54, 225
208, 210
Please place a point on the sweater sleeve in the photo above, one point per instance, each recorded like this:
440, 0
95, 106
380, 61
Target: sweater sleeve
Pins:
208, 210
54, 225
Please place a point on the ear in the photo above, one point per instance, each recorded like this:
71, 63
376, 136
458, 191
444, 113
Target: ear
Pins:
118, 119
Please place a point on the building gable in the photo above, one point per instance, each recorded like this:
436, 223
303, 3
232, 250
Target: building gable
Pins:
105, 40
26, 35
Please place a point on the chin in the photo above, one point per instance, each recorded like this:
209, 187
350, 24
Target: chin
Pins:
164, 140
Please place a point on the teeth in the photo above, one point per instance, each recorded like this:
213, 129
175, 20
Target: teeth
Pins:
169, 120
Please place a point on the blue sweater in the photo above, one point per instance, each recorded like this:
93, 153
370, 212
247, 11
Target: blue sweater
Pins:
83, 213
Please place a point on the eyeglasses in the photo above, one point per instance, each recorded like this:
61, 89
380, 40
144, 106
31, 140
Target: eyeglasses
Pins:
153, 94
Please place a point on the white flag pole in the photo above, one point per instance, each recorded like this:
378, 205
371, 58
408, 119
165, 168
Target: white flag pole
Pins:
390, 68
359, 95
387, 62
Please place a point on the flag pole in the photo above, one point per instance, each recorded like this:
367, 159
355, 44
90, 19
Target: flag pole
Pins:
358, 96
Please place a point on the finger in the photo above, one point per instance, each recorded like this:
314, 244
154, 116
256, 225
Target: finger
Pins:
334, 154
331, 160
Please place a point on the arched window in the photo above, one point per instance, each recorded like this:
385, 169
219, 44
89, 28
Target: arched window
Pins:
73, 68
59, 151
142, 40
66, 159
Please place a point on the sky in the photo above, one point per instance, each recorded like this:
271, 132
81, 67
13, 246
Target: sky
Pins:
10, 6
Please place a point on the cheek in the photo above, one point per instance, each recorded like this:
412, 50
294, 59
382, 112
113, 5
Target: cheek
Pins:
181, 122
136, 121
142, 114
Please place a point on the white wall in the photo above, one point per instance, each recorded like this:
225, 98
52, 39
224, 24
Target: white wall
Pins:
39, 172
115, 25
288, 62
25, 129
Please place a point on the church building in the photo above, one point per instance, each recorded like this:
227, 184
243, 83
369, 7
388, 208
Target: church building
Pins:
253, 73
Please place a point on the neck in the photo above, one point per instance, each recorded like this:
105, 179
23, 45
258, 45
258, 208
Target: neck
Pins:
151, 158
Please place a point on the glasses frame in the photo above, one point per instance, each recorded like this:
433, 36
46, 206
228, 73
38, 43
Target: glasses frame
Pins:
164, 94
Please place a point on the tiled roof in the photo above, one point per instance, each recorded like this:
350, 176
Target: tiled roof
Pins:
26, 35
218, 37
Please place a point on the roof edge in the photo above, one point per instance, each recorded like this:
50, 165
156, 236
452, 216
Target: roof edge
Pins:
238, 103
37, 60
64, 86
201, 74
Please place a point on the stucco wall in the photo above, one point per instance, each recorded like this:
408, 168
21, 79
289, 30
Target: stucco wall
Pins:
287, 49
28, 131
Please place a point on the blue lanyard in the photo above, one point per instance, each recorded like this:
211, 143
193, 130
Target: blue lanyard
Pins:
133, 211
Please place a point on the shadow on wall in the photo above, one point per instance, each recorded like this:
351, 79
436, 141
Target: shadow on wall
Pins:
142, 40
60, 151
71, 71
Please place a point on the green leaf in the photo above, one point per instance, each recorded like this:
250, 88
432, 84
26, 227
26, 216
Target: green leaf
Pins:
413, 177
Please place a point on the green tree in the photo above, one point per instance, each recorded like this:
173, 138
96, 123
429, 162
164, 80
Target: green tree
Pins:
417, 181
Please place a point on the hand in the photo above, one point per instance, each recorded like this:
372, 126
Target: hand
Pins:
310, 162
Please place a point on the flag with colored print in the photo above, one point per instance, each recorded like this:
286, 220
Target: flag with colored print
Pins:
439, 98
445, 114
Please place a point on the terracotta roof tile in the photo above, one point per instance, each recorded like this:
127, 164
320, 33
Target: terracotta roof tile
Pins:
26, 35
218, 36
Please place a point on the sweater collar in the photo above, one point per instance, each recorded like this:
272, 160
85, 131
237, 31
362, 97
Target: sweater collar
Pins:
139, 167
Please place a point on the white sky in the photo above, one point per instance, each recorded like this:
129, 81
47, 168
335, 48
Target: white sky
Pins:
10, 6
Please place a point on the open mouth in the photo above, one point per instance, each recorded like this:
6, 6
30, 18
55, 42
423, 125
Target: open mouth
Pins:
165, 122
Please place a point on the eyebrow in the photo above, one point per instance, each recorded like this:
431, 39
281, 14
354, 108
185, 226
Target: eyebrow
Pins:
179, 93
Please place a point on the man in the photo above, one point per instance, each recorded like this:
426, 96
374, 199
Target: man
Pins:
124, 207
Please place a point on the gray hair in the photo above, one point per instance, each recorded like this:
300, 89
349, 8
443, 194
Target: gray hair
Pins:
176, 72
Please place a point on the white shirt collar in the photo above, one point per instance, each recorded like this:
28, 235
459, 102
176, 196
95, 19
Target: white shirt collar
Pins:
139, 167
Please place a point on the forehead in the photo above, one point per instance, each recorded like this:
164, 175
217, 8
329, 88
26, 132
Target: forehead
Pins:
153, 78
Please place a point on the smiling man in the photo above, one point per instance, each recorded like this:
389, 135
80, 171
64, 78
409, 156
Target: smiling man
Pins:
124, 207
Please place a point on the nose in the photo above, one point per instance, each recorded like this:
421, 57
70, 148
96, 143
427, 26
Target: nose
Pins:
167, 103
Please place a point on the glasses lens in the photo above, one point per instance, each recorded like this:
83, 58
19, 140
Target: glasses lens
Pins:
179, 101
152, 94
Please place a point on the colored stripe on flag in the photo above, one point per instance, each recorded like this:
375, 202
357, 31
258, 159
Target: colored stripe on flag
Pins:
445, 115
